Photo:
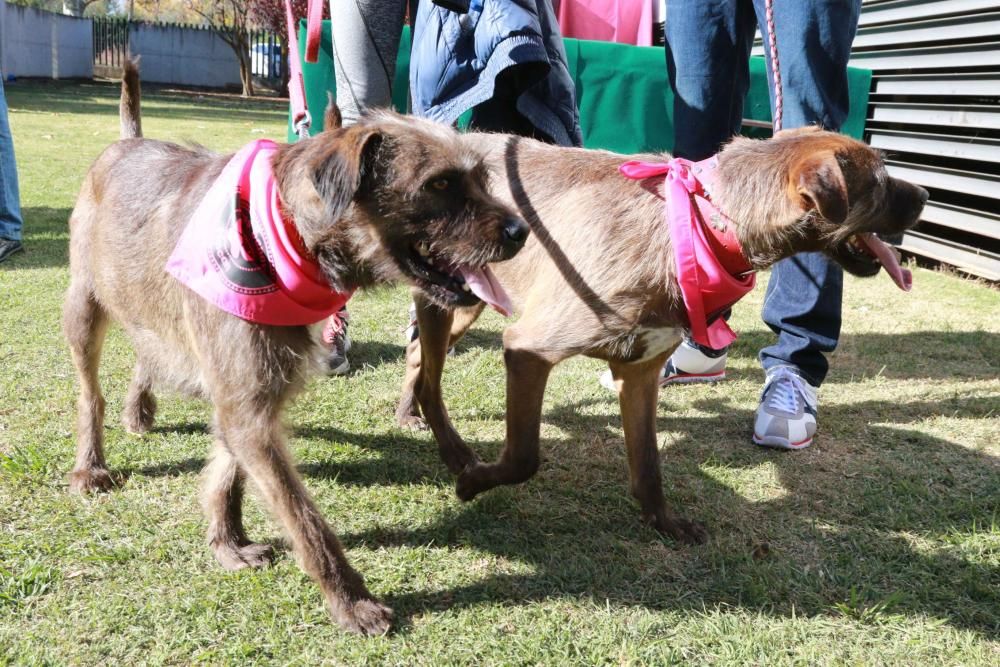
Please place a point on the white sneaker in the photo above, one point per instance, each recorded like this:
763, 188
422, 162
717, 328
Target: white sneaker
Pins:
687, 364
786, 416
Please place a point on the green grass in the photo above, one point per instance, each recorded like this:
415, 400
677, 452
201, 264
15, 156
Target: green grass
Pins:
880, 544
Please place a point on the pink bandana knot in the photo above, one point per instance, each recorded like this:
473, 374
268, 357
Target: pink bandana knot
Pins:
712, 272
241, 255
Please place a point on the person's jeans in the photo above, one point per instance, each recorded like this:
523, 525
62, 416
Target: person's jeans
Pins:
10, 200
707, 48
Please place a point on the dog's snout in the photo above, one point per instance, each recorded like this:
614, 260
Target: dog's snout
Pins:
924, 196
515, 231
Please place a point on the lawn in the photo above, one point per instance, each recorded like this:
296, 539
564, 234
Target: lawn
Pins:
879, 544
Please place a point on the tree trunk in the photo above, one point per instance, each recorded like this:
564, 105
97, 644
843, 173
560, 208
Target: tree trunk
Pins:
246, 75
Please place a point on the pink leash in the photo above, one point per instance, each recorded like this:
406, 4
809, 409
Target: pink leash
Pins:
772, 41
301, 120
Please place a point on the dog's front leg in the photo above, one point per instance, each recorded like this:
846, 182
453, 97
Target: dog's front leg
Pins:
527, 374
638, 387
222, 500
259, 449
435, 337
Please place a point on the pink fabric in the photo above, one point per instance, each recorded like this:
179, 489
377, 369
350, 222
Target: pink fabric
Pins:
623, 21
706, 252
238, 253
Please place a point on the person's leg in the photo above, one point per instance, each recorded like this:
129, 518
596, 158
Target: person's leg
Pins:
707, 48
803, 299
10, 202
366, 37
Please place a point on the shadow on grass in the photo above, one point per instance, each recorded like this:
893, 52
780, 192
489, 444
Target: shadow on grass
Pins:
846, 527
46, 239
858, 514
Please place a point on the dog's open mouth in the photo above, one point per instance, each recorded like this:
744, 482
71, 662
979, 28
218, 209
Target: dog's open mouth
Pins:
459, 284
869, 251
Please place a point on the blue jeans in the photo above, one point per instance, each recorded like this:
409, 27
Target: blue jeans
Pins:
708, 48
10, 200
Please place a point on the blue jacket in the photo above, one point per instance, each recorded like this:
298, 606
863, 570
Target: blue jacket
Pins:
501, 56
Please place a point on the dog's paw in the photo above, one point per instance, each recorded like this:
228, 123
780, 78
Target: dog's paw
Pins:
139, 413
233, 557
413, 422
468, 485
90, 480
683, 530
365, 616
137, 423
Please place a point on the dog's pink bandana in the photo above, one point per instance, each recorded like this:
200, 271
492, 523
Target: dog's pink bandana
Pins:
240, 254
712, 272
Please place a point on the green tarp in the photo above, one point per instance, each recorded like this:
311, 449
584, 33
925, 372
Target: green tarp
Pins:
625, 102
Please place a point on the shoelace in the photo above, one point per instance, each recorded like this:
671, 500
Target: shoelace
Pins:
336, 324
786, 388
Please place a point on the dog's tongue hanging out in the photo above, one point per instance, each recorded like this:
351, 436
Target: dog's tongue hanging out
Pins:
887, 256
485, 285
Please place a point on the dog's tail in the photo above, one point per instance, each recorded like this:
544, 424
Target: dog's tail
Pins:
128, 109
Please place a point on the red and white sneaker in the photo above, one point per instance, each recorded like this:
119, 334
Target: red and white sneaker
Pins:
337, 342
786, 416
687, 364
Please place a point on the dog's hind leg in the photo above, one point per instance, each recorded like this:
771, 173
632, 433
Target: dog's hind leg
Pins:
638, 387
437, 334
257, 444
85, 323
222, 500
140, 404
408, 408
527, 374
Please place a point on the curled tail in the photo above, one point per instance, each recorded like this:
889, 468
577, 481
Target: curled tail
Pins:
128, 109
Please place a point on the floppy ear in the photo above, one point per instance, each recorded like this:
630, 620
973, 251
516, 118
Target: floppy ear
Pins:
332, 119
819, 184
337, 169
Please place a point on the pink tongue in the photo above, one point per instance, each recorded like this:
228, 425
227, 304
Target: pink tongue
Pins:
485, 285
887, 256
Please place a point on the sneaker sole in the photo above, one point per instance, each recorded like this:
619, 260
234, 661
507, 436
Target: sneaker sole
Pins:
686, 378
340, 370
776, 443
691, 378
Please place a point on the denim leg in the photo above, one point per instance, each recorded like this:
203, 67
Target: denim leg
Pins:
10, 199
707, 46
803, 299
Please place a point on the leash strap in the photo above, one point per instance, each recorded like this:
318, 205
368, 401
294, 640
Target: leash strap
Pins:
314, 23
772, 41
301, 120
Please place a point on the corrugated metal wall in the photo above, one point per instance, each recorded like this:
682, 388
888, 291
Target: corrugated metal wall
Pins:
935, 111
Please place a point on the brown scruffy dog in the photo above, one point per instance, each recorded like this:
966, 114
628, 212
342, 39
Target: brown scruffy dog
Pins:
598, 278
389, 198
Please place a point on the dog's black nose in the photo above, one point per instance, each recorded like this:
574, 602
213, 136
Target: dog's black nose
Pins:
515, 230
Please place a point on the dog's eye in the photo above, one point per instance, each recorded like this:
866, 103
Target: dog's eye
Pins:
441, 184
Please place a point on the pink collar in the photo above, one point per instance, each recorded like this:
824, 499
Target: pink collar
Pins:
240, 254
712, 271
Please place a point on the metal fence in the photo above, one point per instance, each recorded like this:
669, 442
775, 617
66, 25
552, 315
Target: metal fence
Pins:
111, 48
110, 41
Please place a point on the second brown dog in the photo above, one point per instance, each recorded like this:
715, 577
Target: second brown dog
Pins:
597, 278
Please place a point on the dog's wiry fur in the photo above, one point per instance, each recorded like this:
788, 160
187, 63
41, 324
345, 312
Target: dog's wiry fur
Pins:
361, 198
597, 278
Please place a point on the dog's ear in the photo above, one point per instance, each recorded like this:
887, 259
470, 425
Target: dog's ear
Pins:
818, 183
339, 166
332, 118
